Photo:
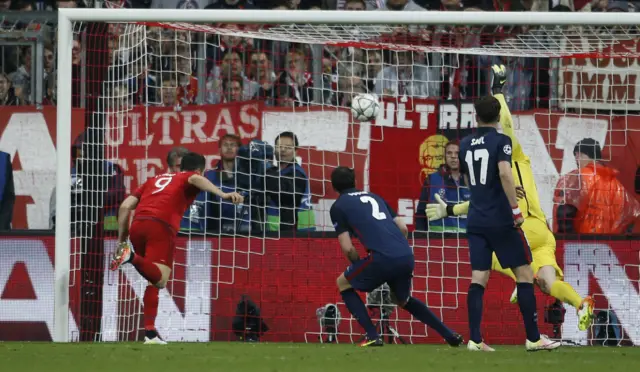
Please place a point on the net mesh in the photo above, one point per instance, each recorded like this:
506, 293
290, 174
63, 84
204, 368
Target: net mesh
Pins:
154, 87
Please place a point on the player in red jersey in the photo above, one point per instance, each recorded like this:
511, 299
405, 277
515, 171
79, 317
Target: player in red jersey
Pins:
160, 204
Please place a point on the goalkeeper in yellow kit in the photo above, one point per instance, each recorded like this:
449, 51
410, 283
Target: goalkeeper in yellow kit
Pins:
540, 238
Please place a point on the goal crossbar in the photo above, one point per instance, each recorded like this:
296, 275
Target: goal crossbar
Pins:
64, 94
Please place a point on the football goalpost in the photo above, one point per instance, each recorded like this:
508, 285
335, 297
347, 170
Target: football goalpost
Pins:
133, 85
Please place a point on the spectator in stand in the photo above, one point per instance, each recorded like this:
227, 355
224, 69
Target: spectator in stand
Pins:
5, 5
355, 5
233, 88
222, 216
285, 97
591, 200
408, 5
288, 190
619, 6
169, 92
48, 60
452, 188
22, 6
68, 4
231, 4
21, 79
180, 4
408, 77
7, 191
296, 76
76, 53
374, 68
262, 76
230, 67
7, 93
187, 83
579, 5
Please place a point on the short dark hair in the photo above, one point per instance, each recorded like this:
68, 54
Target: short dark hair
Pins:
174, 154
343, 178
487, 110
355, 1
589, 147
288, 135
230, 137
232, 79
192, 161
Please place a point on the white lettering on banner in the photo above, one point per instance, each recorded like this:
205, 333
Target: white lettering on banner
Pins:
401, 116
406, 208
452, 117
193, 121
425, 111
167, 122
27, 136
599, 260
146, 168
173, 324
136, 127
389, 116
601, 82
247, 118
323, 130
34, 255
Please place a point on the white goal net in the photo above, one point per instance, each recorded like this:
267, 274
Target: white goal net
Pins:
253, 96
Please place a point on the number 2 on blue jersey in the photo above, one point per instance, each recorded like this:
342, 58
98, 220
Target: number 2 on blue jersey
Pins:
483, 156
375, 208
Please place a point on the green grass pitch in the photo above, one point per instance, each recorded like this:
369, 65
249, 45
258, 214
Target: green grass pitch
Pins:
231, 357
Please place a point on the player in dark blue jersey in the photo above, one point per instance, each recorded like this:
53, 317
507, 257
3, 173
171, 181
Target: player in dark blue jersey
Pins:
390, 257
493, 224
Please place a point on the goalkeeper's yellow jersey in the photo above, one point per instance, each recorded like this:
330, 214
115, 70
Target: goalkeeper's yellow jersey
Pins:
522, 173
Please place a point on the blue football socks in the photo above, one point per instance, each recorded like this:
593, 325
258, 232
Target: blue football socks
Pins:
474, 306
527, 303
359, 311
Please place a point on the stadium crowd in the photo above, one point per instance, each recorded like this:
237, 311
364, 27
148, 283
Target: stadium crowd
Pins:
176, 68
239, 68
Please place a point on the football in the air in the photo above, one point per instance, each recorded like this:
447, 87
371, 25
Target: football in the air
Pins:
365, 107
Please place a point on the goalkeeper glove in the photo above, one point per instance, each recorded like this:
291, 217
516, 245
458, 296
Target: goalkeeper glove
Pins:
499, 78
438, 210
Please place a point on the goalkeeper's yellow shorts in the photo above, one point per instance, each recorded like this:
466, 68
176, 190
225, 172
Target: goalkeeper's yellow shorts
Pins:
543, 246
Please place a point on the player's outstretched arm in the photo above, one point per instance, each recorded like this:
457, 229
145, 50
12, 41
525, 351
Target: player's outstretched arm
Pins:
127, 206
205, 185
506, 121
440, 209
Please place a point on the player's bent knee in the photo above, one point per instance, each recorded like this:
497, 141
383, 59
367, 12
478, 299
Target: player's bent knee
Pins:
480, 277
166, 273
524, 274
546, 277
342, 283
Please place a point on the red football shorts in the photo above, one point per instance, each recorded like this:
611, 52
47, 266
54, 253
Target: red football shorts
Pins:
154, 240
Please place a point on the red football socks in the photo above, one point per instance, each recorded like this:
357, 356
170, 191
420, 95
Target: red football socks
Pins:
150, 301
147, 269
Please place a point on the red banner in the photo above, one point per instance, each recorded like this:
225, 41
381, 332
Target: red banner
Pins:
600, 81
279, 277
140, 139
392, 156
